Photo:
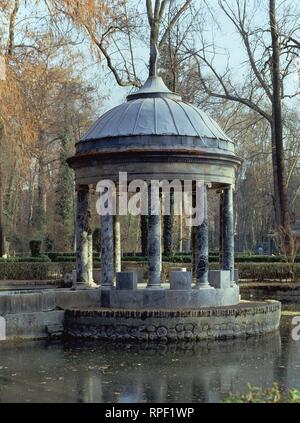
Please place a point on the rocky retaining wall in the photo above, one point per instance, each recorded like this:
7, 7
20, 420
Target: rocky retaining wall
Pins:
245, 319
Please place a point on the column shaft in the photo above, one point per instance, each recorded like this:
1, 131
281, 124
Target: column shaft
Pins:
168, 228
221, 230
90, 257
117, 244
228, 231
201, 245
144, 234
154, 243
83, 230
107, 251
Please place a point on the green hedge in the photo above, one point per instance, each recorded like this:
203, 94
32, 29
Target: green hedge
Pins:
53, 255
251, 271
267, 271
64, 259
34, 271
263, 259
37, 259
177, 258
187, 258
14, 270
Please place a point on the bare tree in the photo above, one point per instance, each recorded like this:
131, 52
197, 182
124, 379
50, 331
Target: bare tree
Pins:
269, 65
113, 37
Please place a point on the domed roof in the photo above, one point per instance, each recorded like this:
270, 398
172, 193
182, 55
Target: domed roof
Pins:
155, 134
154, 110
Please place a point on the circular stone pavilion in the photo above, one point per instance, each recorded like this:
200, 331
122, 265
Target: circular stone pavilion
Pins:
156, 135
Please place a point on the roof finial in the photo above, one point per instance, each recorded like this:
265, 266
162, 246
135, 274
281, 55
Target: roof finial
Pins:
154, 55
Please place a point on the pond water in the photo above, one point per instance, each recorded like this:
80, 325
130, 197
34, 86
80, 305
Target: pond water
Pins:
106, 372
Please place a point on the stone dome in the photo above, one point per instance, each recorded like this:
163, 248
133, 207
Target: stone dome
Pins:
156, 112
155, 133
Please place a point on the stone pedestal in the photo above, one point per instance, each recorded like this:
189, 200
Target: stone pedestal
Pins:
219, 279
180, 281
139, 273
236, 276
126, 280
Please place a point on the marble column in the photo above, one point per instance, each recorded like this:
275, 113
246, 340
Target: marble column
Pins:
144, 234
228, 231
117, 243
90, 257
201, 246
221, 230
83, 230
193, 245
107, 251
154, 242
168, 228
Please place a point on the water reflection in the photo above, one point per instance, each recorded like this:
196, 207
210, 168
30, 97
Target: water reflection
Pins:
96, 372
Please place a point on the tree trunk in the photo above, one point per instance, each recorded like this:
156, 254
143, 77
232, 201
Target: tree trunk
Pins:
2, 237
153, 48
280, 187
155, 19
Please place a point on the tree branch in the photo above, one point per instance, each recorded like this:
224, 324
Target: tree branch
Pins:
149, 11
11, 31
173, 21
228, 96
239, 23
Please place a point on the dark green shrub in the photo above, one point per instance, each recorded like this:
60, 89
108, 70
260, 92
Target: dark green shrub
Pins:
38, 259
259, 259
51, 255
54, 254
268, 271
134, 258
130, 254
35, 247
34, 271
67, 259
35, 259
12, 269
180, 258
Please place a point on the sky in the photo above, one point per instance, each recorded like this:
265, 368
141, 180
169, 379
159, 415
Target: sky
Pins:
228, 42
222, 32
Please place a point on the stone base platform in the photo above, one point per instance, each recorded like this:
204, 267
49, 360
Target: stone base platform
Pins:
144, 325
164, 298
